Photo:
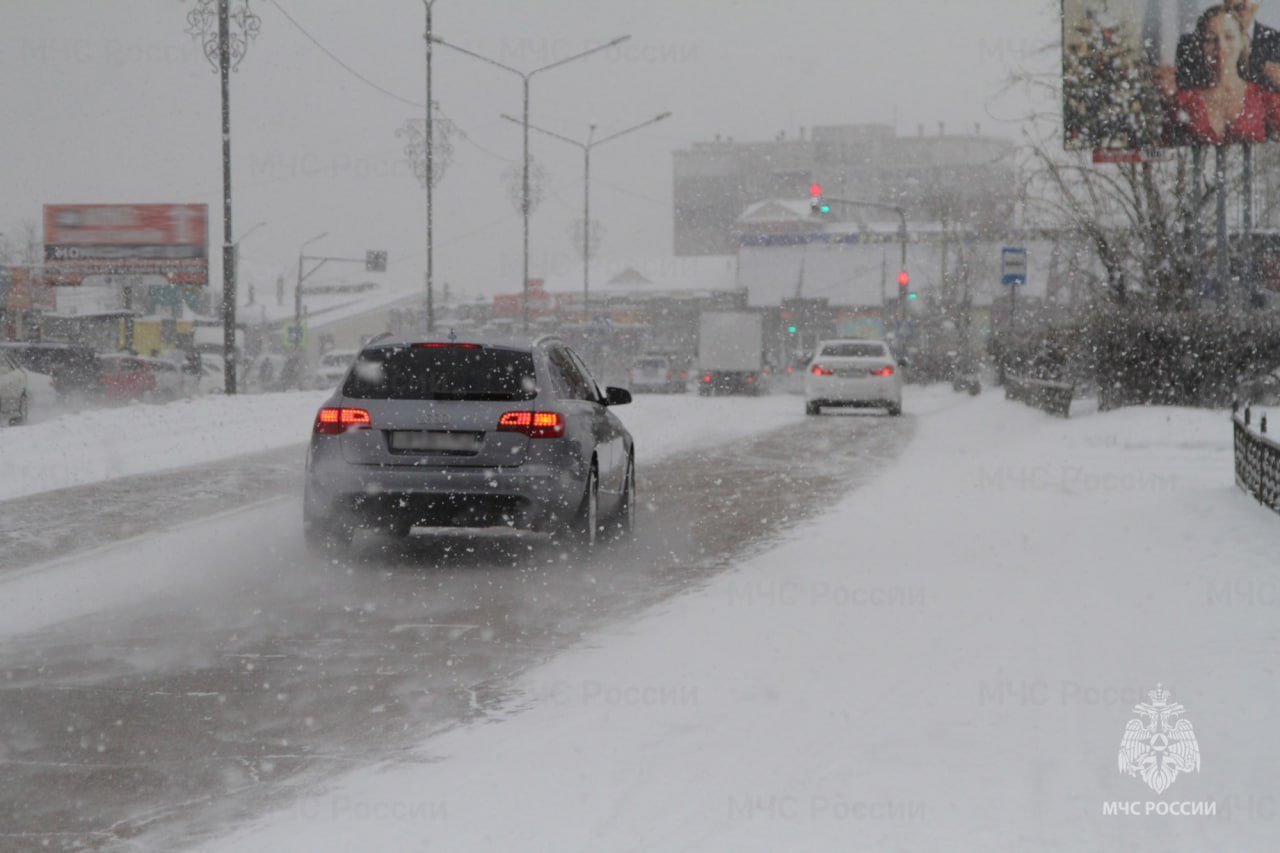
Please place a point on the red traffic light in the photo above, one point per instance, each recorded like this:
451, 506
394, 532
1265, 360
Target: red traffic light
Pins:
903, 279
815, 190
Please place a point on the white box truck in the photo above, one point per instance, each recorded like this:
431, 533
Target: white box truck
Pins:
731, 353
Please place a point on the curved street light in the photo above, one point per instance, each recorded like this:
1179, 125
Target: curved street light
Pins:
526, 76
586, 188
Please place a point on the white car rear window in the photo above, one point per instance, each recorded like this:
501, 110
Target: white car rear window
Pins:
855, 350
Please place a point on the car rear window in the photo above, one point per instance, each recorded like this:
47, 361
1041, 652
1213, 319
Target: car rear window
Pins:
869, 350
442, 373
648, 363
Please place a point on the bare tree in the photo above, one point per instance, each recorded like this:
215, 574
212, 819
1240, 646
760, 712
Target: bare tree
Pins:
1139, 218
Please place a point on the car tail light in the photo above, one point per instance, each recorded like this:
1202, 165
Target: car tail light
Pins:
707, 378
533, 424
683, 376
335, 421
819, 370
750, 379
442, 345
887, 370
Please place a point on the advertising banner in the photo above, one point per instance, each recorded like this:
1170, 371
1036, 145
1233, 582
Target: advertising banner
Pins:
126, 240
1141, 74
22, 289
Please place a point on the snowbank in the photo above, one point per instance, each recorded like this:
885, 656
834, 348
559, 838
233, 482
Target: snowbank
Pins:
101, 444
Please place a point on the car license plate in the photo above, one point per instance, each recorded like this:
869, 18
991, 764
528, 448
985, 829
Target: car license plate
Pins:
424, 441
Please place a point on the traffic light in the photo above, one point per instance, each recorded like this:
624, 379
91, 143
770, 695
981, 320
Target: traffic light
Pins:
904, 282
817, 207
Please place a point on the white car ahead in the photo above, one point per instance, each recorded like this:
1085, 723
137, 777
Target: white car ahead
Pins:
852, 372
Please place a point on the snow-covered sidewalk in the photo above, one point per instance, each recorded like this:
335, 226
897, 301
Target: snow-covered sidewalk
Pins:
946, 661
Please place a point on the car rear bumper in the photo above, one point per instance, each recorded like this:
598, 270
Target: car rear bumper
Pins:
836, 390
730, 382
530, 497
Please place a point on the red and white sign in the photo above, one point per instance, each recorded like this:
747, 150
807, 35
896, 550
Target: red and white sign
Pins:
169, 240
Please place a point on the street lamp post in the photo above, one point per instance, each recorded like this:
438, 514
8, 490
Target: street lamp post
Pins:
586, 188
225, 49
526, 77
431, 311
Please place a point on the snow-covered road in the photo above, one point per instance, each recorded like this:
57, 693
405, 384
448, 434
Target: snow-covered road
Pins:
179, 681
819, 644
946, 660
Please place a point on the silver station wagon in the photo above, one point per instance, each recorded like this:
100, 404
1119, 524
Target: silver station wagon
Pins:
469, 433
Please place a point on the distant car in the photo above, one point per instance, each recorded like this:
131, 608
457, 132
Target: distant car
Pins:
659, 373
126, 377
333, 367
469, 433
852, 372
73, 368
15, 396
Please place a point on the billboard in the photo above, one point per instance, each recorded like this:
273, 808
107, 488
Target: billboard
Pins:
1140, 74
23, 289
126, 240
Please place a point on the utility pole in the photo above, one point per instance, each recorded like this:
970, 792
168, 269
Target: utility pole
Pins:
228, 249
431, 310
211, 21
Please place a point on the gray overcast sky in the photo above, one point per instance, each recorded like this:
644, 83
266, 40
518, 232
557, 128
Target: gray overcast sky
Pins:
113, 102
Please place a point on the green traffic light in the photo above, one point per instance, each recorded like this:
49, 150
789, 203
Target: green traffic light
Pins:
825, 208
911, 296
791, 330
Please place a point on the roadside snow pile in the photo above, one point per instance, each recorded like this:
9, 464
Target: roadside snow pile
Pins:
947, 660
100, 444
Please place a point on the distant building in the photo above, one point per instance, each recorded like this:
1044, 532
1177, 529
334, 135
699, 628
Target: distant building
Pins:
955, 178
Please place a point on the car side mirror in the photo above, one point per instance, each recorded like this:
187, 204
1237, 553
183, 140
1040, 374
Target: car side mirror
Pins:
616, 396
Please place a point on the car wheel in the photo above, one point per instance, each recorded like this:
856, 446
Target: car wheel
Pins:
325, 537
812, 408
626, 528
586, 524
20, 417
895, 409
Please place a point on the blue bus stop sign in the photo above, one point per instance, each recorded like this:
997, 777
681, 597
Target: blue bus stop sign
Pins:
1013, 266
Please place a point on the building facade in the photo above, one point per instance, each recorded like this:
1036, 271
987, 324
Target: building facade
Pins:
957, 178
